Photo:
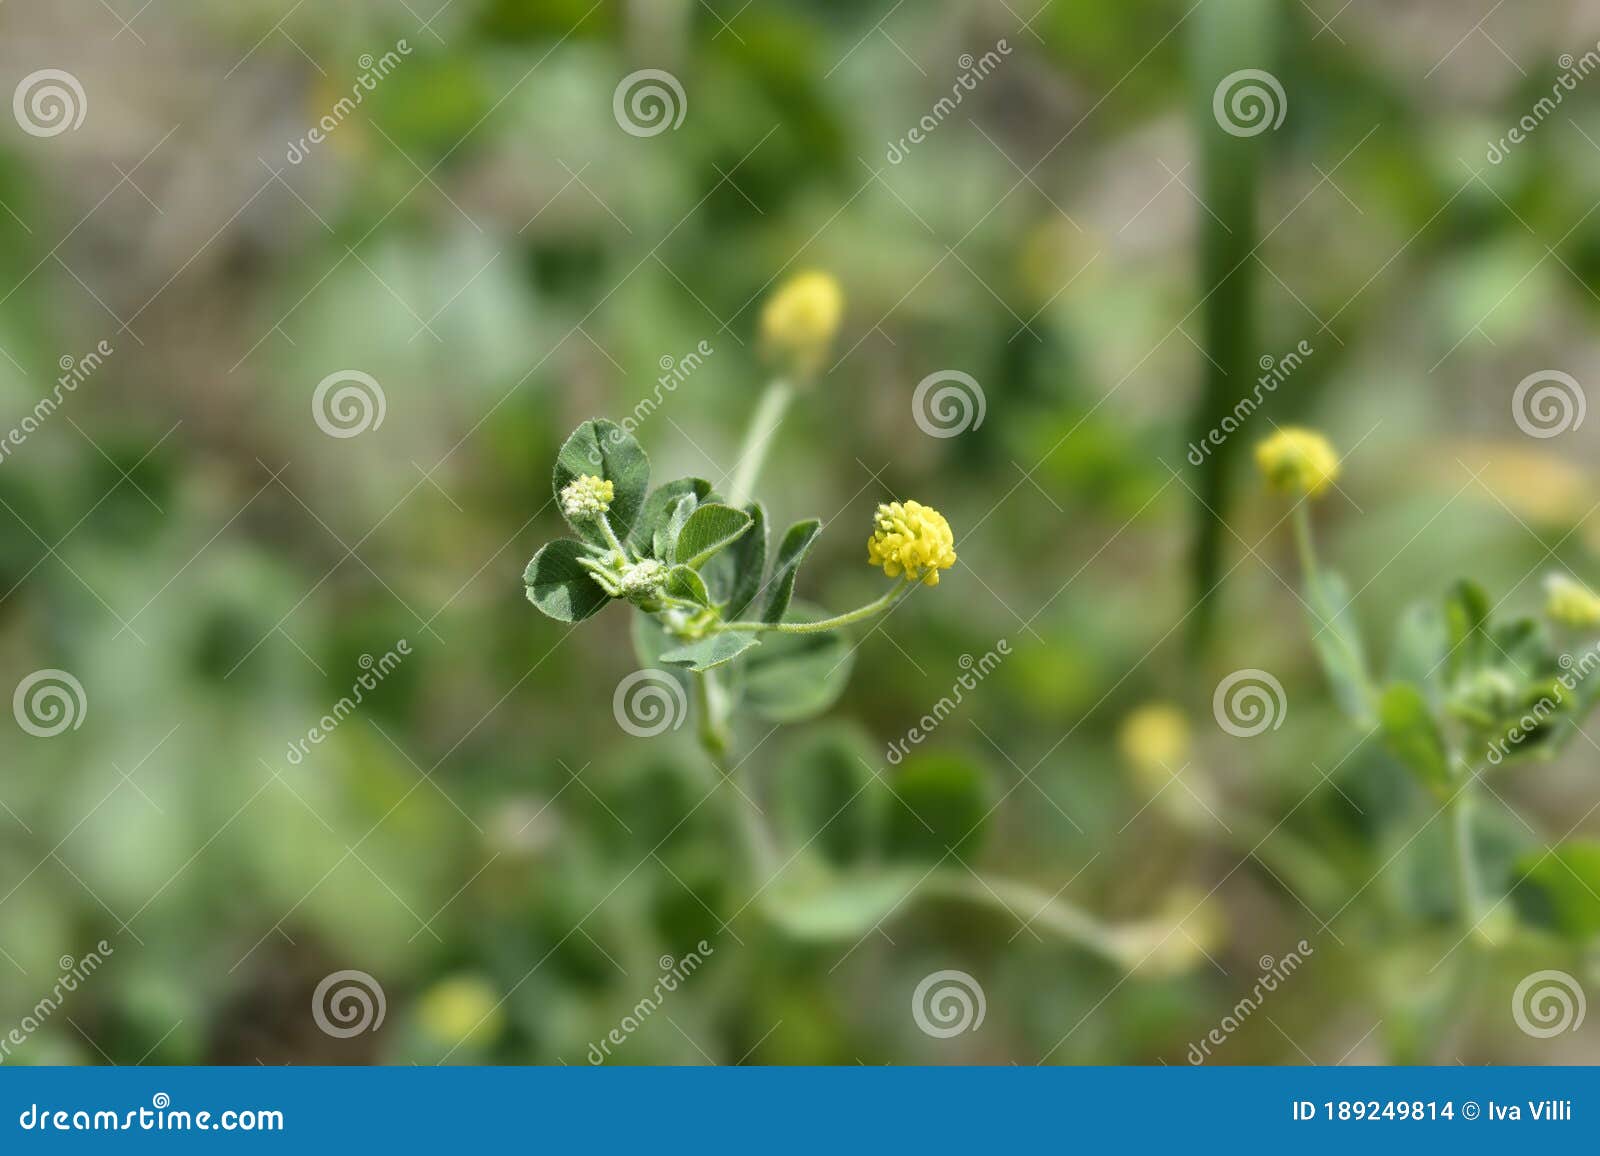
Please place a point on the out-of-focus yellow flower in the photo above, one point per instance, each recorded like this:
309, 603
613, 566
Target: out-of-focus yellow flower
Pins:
1571, 603
1155, 735
912, 539
586, 497
1298, 461
801, 317
1186, 930
462, 1010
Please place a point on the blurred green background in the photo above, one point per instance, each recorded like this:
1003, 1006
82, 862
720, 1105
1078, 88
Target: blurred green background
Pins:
483, 238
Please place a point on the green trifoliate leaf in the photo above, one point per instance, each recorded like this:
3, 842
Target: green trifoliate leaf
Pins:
712, 651
559, 586
1412, 734
605, 450
707, 530
658, 507
792, 551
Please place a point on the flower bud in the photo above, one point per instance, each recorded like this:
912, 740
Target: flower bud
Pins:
800, 319
1298, 461
1571, 603
586, 497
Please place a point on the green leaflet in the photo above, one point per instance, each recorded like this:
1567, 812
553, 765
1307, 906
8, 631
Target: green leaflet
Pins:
708, 529
658, 506
792, 551
748, 561
1411, 733
1338, 645
683, 582
605, 450
710, 652
798, 676
558, 586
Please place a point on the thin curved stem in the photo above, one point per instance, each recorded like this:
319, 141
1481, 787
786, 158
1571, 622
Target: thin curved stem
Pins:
904, 587
758, 437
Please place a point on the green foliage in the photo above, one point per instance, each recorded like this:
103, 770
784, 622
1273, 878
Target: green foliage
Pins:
559, 586
792, 551
1413, 736
1561, 887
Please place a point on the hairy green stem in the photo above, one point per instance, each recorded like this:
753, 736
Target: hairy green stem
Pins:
904, 587
1469, 884
753, 454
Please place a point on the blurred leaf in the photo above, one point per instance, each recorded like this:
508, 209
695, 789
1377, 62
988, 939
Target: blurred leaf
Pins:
560, 587
712, 651
792, 551
822, 905
604, 449
1466, 612
825, 796
1563, 888
798, 676
707, 530
1412, 734
1420, 644
1338, 644
939, 802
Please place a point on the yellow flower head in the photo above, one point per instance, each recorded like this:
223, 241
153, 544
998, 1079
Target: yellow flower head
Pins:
586, 497
1571, 603
913, 539
1298, 461
1155, 736
801, 317
463, 1009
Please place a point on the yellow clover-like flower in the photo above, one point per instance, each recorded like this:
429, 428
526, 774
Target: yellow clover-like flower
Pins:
912, 539
586, 497
1155, 737
462, 1009
801, 317
1298, 461
1571, 603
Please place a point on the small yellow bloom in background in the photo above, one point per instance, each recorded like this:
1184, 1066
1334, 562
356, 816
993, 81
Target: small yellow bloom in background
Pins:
462, 1010
801, 317
1298, 461
586, 496
912, 539
1155, 735
1571, 603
